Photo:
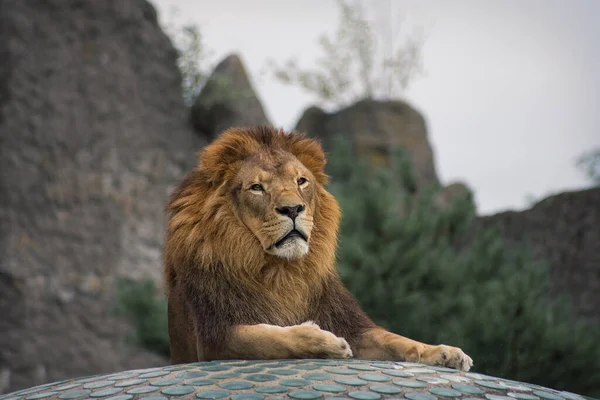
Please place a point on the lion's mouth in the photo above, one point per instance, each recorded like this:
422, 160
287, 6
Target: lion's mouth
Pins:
290, 235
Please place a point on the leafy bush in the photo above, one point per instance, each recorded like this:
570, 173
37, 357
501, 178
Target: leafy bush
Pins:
137, 302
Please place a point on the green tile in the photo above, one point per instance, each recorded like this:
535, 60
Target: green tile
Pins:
496, 397
129, 382
382, 365
397, 373
67, 387
105, 392
236, 385
121, 397
420, 371
271, 389
154, 375
351, 381
341, 371
360, 367
166, 382
98, 385
247, 396
261, 377
571, 396
191, 374
318, 376
142, 390
284, 371
374, 377
385, 389
433, 381
491, 385
467, 389
41, 395
364, 395
445, 392
215, 367
308, 367
212, 394
523, 396
177, 390
305, 394
178, 368
480, 377
444, 369
200, 382
419, 396
121, 376
74, 394
332, 388
455, 378
225, 375
409, 384
250, 370
547, 395
294, 382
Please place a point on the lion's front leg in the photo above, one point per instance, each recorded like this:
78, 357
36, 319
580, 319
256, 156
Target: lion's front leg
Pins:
264, 341
377, 343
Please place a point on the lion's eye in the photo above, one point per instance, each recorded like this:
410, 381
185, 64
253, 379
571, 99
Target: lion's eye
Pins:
302, 181
257, 187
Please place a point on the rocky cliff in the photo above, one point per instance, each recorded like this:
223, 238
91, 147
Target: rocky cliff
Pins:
563, 229
93, 134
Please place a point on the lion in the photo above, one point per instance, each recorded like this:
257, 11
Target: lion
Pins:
250, 261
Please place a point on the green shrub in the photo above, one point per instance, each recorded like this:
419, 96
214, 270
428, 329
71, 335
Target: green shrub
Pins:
137, 302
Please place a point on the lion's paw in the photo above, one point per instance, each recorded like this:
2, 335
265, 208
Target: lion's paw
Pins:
310, 341
447, 356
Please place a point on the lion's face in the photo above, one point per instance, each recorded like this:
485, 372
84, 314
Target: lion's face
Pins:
273, 195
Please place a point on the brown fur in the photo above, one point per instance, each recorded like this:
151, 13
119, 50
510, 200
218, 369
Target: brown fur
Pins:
234, 294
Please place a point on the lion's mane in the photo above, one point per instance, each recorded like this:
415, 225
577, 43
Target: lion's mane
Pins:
212, 258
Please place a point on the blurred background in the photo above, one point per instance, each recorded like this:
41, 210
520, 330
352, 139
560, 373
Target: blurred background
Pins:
463, 147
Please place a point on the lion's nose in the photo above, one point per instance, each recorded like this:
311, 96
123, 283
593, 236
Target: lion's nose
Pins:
291, 211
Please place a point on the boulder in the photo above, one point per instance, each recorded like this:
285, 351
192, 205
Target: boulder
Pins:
375, 127
93, 135
227, 100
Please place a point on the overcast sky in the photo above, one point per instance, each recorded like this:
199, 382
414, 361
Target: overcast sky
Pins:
511, 93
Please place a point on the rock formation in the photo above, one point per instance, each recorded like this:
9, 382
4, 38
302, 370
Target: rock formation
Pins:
227, 100
93, 135
563, 229
374, 127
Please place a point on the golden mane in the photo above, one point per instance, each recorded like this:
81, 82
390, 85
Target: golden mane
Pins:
203, 230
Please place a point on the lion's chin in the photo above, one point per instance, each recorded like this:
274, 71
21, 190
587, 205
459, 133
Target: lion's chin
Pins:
292, 248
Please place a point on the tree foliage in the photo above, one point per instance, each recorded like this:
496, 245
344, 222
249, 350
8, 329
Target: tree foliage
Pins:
429, 276
193, 57
589, 163
362, 60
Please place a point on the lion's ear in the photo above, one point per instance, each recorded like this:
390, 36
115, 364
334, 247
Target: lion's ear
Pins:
219, 159
310, 153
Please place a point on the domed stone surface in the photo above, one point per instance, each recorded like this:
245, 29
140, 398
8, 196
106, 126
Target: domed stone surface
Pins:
307, 379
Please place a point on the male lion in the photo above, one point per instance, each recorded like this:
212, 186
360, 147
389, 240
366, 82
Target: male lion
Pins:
250, 261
